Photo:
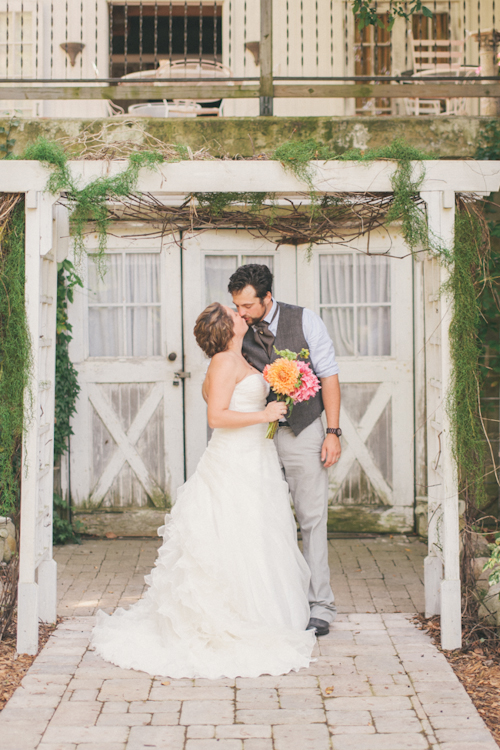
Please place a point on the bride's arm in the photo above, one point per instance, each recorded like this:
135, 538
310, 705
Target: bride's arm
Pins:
219, 385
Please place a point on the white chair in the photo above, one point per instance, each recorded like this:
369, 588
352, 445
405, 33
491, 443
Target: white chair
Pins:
436, 54
166, 109
450, 106
422, 106
182, 69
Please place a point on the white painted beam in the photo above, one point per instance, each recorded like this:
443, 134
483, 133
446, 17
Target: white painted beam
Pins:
265, 176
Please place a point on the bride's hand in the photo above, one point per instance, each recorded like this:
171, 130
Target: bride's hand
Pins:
275, 410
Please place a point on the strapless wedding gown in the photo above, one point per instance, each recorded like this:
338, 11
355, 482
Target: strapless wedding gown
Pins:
228, 594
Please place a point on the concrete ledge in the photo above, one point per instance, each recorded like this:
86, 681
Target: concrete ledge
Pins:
369, 518
342, 518
449, 137
130, 522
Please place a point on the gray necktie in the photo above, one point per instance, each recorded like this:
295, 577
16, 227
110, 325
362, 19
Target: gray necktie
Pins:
263, 336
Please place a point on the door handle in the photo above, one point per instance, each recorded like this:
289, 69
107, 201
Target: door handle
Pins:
182, 375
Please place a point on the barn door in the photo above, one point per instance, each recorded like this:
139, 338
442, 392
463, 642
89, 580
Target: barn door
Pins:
209, 259
366, 304
128, 445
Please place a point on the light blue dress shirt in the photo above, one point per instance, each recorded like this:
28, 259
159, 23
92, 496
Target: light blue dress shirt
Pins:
318, 340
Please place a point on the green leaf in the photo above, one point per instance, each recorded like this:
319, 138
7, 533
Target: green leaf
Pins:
427, 12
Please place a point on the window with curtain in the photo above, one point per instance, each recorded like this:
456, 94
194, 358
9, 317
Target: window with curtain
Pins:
125, 306
218, 269
355, 303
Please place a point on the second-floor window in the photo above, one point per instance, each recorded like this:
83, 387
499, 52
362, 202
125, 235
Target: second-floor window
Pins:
143, 34
372, 57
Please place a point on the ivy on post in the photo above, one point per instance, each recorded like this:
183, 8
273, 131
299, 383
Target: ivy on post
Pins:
266, 58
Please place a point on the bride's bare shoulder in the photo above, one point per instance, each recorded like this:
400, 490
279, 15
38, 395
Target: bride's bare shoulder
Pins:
222, 361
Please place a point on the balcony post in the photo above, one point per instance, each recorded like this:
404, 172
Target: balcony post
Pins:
488, 40
266, 57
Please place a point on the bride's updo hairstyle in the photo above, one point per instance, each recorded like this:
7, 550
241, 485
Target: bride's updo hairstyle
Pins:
214, 329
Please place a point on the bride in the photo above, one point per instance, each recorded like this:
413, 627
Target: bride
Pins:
228, 594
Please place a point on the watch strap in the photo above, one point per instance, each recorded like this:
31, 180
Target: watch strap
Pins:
334, 431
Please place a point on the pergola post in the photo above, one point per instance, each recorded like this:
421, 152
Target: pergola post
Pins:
442, 565
37, 592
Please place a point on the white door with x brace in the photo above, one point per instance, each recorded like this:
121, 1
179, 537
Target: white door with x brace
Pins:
366, 304
127, 450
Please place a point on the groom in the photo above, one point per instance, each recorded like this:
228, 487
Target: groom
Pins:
305, 452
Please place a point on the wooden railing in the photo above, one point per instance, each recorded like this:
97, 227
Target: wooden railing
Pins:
259, 82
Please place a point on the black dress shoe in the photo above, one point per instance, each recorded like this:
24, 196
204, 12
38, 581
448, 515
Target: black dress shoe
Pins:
322, 627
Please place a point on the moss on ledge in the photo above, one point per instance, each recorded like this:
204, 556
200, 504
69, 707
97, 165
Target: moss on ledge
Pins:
448, 137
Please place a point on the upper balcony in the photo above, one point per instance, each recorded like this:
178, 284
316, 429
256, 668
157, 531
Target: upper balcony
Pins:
202, 58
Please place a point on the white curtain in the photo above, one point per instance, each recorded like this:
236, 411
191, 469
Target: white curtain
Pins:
374, 322
218, 269
355, 295
124, 306
142, 285
106, 332
106, 323
265, 260
337, 288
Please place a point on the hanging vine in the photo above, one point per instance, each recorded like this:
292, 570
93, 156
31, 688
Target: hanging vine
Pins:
15, 354
89, 203
66, 380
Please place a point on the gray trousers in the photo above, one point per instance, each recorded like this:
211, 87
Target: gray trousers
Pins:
300, 458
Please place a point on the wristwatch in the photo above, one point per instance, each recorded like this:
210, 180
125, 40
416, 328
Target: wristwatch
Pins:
334, 431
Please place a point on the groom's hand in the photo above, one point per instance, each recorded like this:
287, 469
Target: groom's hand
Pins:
331, 450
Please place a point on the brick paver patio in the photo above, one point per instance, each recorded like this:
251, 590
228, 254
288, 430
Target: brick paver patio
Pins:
378, 682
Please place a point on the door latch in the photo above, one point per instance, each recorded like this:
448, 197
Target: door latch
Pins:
181, 375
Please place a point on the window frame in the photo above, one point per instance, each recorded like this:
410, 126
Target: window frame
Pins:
124, 305
355, 305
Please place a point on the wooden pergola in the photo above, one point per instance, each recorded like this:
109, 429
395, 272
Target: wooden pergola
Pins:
47, 243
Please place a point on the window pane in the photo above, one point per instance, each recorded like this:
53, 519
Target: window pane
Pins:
218, 269
336, 279
265, 260
374, 331
373, 279
340, 324
105, 332
143, 332
109, 288
142, 277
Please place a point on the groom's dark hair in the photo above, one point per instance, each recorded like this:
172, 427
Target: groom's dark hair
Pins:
254, 274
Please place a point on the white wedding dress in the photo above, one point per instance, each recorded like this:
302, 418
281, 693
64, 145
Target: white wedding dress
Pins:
228, 594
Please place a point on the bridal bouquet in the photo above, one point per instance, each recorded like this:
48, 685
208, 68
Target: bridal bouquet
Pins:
291, 379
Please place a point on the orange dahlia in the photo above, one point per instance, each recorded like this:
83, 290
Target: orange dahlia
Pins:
282, 375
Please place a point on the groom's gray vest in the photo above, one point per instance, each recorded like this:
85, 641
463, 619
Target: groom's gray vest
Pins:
289, 335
